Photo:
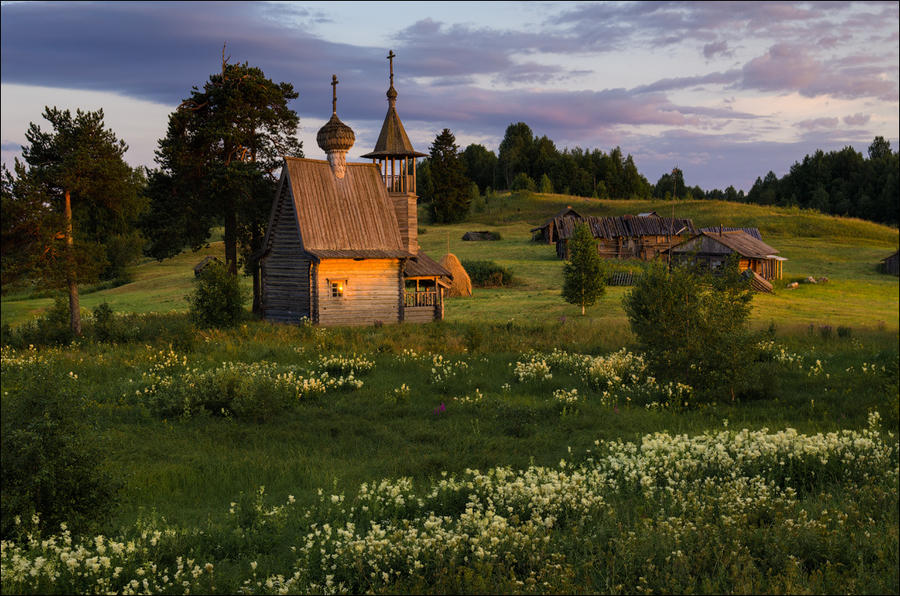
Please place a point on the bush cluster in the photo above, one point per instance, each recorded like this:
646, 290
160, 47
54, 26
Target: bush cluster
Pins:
692, 326
488, 274
217, 300
104, 325
51, 459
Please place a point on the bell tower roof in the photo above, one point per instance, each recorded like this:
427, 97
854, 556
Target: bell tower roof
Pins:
393, 140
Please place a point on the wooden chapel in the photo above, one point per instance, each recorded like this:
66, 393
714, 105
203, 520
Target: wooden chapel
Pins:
341, 247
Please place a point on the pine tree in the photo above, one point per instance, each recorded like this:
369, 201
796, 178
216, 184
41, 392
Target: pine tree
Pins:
584, 273
217, 164
76, 194
450, 194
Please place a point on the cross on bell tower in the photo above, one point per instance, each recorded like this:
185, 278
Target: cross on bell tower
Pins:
391, 55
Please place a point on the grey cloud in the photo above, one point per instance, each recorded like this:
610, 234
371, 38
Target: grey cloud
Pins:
10, 146
711, 50
670, 84
154, 52
857, 119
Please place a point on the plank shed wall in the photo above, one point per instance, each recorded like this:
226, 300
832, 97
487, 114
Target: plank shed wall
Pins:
372, 291
285, 268
419, 314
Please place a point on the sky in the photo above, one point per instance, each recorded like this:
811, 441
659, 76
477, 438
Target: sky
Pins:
725, 91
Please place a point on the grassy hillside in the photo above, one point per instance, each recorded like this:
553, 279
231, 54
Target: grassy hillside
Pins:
298, 459
844, 250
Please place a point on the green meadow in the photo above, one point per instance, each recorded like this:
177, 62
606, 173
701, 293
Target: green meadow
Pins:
516, 447
844, 250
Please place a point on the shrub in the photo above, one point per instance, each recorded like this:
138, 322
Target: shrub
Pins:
477, 200
546, 185
523, 181
51, 459
217, 300
50, 328
692, 326
488, 274
103, 321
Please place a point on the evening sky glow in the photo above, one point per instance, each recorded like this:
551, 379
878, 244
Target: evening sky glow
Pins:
727, 91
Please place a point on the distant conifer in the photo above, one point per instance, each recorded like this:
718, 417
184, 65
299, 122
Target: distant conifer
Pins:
584, 274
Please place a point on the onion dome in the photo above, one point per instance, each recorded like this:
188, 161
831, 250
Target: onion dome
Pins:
335, 135
335, 138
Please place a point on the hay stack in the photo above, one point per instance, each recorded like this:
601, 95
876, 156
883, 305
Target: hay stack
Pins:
462, 285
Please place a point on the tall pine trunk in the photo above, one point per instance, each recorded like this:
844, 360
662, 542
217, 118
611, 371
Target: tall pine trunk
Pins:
71, 280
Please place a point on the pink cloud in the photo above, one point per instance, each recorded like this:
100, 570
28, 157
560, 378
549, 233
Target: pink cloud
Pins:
817, 123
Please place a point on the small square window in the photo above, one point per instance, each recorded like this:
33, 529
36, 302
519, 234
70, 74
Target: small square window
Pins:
337, 288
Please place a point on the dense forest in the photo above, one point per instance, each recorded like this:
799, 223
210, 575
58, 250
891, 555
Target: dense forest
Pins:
839, 182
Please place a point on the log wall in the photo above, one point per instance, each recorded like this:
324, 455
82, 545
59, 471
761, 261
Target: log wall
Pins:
285, 268
372, 291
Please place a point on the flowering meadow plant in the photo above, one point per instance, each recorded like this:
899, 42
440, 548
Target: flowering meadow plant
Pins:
693, 510
756, 502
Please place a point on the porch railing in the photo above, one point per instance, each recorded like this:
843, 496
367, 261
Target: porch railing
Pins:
413, 299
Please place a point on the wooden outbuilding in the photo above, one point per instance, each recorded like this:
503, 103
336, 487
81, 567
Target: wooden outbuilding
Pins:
341, 247
546, 233
891, 264
206, 262
626, 236
713, 248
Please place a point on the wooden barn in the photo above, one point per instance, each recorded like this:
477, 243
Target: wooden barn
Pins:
341, 247
891, 264
626, 236
546, 233
713, 248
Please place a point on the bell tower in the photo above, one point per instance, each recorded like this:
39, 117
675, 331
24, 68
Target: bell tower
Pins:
396, 159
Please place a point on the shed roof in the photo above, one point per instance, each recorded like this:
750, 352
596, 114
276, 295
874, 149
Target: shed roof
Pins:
567, 212
349, 217
424, 266
740, 242
626, 226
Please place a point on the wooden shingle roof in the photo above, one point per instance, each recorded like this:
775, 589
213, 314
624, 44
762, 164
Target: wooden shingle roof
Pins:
740, 242
349, 217
567, 212
424, 266
752, 231
627, 226
393, 140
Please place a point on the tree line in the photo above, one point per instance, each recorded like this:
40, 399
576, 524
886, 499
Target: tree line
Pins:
528, 162
838, 182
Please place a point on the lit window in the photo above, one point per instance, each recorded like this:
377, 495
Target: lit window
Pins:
337, 288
